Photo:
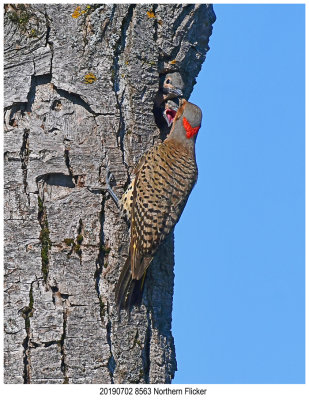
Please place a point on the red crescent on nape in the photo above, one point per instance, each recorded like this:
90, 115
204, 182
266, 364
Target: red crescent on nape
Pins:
190, 131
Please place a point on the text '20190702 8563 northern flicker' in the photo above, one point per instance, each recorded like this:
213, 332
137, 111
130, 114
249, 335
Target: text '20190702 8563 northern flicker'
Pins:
158, 192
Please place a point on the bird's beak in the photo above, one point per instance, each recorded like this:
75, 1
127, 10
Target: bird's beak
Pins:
172, 92
169, 116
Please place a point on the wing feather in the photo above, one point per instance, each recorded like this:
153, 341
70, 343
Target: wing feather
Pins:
164, 179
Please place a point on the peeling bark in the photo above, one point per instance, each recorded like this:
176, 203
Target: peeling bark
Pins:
80, 83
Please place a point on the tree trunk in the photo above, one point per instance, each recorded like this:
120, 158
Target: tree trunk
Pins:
80, 83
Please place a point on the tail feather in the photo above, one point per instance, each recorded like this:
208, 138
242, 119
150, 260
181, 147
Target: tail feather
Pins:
128, 292
123, 284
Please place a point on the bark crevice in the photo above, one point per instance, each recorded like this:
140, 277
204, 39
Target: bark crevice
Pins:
100, 262
24, 158
111, 361
44, 239
120, 49
27, 313
48, 42
64, 367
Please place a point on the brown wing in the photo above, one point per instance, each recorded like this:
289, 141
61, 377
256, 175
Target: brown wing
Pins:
163, 182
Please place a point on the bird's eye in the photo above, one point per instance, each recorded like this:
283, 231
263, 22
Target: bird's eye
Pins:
168, 81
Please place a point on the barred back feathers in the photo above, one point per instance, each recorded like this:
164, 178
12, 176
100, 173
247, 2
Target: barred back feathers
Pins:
155, 199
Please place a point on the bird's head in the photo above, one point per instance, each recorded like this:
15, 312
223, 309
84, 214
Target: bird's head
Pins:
172, 85
170, 111
186, 123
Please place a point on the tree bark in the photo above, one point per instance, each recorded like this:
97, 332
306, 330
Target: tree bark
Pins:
80, 83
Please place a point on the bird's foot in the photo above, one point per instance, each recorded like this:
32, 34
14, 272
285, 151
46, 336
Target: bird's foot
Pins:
106, 188
109, 188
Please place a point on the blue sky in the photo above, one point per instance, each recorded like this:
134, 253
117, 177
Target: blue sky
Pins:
239, 303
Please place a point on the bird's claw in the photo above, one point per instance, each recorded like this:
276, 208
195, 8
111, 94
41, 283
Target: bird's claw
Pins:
109, 177
107, 187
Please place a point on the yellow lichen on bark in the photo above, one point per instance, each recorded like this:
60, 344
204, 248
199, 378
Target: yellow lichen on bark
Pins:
90, 78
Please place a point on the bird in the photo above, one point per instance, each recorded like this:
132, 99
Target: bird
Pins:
154, 201
171, 86
170, 109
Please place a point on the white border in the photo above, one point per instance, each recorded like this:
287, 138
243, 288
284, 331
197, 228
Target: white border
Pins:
214, 392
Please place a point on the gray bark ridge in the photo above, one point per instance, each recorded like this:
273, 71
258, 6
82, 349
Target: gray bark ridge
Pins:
80, 83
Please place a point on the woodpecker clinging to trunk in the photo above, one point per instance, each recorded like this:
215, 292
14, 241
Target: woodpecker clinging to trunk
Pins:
156, 197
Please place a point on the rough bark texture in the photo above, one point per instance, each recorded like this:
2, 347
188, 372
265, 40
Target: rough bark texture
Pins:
80, 85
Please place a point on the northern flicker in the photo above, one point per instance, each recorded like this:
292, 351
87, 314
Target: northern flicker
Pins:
154, 201
170, 87
170, 110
